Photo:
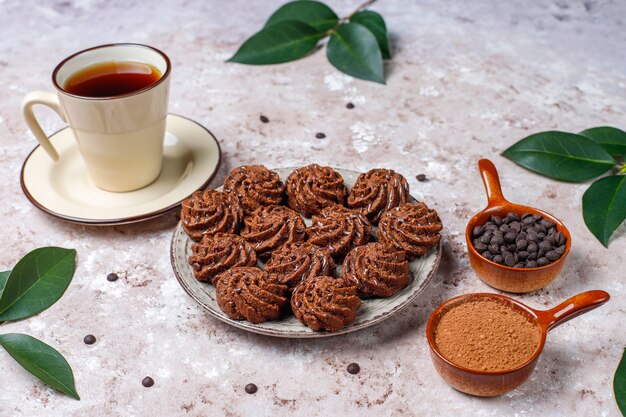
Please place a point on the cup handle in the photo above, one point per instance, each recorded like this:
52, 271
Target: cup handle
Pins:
47, 99
572, 307
491, 181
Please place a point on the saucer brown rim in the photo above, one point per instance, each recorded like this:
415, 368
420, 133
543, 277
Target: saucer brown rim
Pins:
120, 220
430, 332
474, 219
166, 74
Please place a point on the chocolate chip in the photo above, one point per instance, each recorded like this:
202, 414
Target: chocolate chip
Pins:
354, 368
89, 339
251, 388
519, 265
552, 255
420, 177
543, 261
147, 382
480, 246
320, 135
112, 277
350, 105
545, 246
510, 237
486, 238
264, 119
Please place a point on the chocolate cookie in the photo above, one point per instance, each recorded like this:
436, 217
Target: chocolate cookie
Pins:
216, 253
209, 212
313, 187
254, 186
339, 229
249, 293
412, 227
376, 191
298, 261
376, 269
325, 303
268, 228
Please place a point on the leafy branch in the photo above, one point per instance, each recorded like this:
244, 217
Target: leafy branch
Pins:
357, 46
579, 157
37, 281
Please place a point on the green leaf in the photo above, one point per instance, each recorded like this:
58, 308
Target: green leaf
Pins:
562, 156
376, 24
41, 360
282, 42
619, 384
313, 13
3, 280
353, 49
36, 282
613, 140
604, 206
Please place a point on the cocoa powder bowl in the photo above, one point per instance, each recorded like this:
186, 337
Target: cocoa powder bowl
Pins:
502, 277
489, 384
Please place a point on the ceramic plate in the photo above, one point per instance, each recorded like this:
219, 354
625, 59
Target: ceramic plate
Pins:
191, 158
372, 311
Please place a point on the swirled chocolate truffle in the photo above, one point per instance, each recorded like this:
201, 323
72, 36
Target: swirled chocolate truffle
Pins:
313, 187
325, 303
216, 253
209, 212
248, 293
377, 270
298, 261
268, 228
412, 227
254, 186
376, 191
339, 229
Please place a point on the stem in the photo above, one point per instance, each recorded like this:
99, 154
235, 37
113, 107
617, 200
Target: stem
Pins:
361, 7
346, 19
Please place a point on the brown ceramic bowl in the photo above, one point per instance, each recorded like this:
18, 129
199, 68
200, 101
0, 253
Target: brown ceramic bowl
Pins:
502, 277
489, 384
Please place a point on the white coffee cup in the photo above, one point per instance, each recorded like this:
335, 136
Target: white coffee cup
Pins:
121, 137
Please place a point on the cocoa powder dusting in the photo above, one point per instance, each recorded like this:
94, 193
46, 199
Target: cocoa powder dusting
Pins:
486, 335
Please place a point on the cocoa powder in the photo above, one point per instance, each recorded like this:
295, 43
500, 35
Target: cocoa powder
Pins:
486, 335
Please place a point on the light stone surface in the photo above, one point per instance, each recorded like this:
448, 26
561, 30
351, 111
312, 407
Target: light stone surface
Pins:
467, 80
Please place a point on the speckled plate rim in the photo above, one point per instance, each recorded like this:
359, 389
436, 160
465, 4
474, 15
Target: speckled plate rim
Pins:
114, 221
305, 333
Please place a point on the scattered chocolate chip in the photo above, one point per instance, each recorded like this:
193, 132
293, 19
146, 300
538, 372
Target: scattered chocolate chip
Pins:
420, 177
147, 382
350, 105
251, 388
320, 135
264, 119
354, 368
89, 339
112, 277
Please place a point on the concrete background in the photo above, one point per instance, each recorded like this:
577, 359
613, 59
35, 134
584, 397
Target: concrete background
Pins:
467, 80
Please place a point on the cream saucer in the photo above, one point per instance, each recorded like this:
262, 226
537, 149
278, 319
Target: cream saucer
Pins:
63, 188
